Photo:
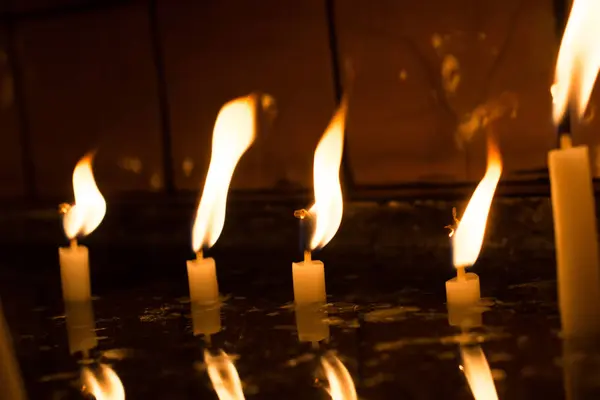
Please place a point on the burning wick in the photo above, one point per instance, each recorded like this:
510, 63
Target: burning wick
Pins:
80, 219
303, 215
463, 292
326, 213
233, 134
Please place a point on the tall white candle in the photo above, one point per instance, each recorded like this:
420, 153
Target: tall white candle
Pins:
80, 219
206, 319
81, 327
574, 212
202, 279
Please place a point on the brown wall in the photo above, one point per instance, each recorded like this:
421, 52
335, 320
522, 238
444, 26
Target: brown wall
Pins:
142, 82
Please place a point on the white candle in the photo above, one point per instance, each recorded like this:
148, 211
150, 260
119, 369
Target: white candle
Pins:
81, 326
576, 240
463, 292
206, 319
462, 298
309, 281
309, 297
202, 278
75, 273
80, 219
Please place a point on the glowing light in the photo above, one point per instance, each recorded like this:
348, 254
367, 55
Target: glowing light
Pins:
233, 134
478, 373
88, 211
468, 237
578, 59
224, 376
329, 206
103, 385
341, 385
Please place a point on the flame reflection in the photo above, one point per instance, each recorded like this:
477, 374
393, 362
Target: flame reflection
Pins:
224, 376
341, 385
104, 384
478, 373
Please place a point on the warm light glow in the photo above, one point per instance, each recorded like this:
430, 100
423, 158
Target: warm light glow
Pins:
578, 59
468, 237
329, 206
478, 373
89, 208
224, 376
233, 134
341, 385
104, 384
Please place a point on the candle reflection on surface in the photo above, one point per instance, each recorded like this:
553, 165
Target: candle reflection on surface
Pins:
81, 327
478, 372
341, 385
103, 383
224, 376
11, 384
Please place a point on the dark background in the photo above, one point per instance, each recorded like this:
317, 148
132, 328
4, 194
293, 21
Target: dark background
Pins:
142, 82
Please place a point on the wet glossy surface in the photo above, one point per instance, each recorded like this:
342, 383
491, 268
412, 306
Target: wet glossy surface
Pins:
386, 319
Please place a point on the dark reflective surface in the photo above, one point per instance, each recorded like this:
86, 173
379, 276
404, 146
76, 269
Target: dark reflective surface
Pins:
386, 322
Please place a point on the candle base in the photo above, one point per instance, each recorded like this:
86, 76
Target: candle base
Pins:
202, 278
75, 273
309, 282
311, 323
206, 320
81, 327
462, 298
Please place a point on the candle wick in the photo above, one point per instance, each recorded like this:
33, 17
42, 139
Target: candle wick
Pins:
199, 255
307, 257
73, 243
460, 273
565, 141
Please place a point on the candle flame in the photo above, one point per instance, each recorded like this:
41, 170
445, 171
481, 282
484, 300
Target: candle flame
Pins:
578, 59
103, 385
88, 211
329, 206
341, 385
478, 373
233, 134
468, 237
224, 376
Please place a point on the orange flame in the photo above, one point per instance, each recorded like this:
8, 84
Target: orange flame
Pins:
578, 59
224, 376
478, 373
89, 208
341, 385
104, 385
233, 134
468, 238
329, 205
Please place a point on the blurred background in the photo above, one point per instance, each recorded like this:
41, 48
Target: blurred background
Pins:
141, 81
